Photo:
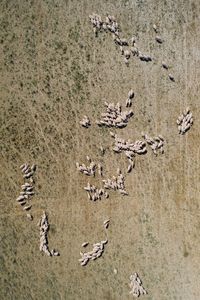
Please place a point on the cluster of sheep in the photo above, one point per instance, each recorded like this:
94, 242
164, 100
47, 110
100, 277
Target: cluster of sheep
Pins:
129, 99
136, 52
116, 183
85, 122
96, 252
27, 188
95, 193
114, 117
155, 143
136, 286
87, 170
110, 24
159, 40
185, 121
96, 22
129, 148
28, 171
44, 227
92, 191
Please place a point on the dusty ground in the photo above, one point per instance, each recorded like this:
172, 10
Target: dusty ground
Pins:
53, 71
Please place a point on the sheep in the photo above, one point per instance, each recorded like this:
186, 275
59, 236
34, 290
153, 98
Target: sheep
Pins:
123, 192
85, 122
20, 198
104, 26
127, 54
84, 263
27, 176
29, 217
25, 185
106, 223
133, 40
24, 167
121, 50
27, 207
158, 39
102, 149
85, 244
187, 110
29, 189
130, 94
33, 168
165, 66
30, 193
143, 57
106, 195
55, 253
32, 180
88, 158
117, 41
126, 61
134, 51
129, 169
155, 28
124, 42
88, 187
171, 77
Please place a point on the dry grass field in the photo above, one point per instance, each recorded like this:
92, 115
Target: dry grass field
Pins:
53, 71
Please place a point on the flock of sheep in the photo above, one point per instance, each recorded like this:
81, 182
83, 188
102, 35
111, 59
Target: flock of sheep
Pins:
27, 188
87, 170
185, 121
129, 148
127, 48
94, 193
25, 194
97, 250
95, 253
155, 143
44, 227
116, 183
136, 286
113, 117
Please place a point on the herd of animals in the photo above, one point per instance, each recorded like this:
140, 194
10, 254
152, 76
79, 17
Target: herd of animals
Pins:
113, 117
27, 188
25, 195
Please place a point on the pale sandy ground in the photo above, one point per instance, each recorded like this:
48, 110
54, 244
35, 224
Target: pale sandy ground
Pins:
53, 71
